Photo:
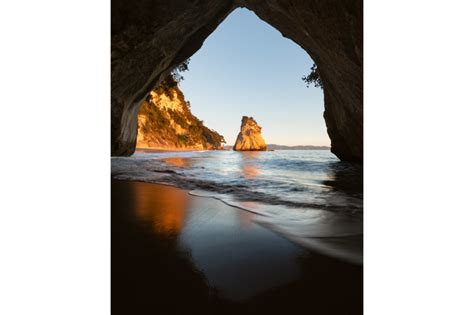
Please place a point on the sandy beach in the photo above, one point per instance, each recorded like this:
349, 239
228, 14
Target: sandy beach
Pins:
173, 253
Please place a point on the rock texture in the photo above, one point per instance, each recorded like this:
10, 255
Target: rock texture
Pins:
150, 37
165, 122
250, 136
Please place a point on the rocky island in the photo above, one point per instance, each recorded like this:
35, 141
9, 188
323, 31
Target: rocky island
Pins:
165, 122
250, 136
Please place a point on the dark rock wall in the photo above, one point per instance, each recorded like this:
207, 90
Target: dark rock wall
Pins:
150, 37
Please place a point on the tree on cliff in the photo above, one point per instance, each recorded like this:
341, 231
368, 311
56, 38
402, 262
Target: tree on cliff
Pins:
175, 73
313, 77
172, 80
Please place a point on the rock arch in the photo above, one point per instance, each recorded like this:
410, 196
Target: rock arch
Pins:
150, 37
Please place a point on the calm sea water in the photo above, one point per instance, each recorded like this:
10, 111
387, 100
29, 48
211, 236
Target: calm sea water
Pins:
308, 196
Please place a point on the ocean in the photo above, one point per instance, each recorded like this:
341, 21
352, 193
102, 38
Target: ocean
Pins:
308, 196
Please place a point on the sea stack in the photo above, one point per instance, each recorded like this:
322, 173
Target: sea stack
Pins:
250, 137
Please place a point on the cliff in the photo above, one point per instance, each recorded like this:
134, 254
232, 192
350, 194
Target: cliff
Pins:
250, 137
165, 122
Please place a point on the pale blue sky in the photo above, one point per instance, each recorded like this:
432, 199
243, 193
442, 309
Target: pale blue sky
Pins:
246, 67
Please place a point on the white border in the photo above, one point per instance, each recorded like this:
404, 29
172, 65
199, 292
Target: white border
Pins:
54, 122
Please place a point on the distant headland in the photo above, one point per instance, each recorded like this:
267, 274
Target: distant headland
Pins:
272, 147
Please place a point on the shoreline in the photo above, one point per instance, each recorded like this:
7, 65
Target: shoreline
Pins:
155, 150
237, 264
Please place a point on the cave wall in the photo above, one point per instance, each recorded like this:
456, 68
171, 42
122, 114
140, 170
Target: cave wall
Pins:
150, 37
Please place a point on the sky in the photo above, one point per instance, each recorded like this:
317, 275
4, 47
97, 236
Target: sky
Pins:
247, 68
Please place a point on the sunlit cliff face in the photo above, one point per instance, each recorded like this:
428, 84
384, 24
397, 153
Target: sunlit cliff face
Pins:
165, 122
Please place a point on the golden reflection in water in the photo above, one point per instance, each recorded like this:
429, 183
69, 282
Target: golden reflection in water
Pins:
249, 167
250, 171
178, 161
164, 207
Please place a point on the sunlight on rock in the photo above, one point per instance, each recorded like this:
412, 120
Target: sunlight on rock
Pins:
250, 136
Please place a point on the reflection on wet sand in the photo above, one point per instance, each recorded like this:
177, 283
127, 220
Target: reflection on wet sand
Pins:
247, 218
163, 207
150, 274
177, 254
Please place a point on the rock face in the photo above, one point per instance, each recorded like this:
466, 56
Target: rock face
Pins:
250, 137
150, 37
165, 122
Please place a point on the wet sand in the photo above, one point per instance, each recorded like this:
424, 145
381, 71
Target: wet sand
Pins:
173, 253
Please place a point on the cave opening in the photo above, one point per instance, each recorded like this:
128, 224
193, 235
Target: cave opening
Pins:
147, 45
244, 68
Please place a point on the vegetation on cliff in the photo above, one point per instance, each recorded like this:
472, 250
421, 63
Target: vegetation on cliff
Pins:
313, 77
165, 122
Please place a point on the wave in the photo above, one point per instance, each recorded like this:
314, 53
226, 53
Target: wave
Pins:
281, 192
